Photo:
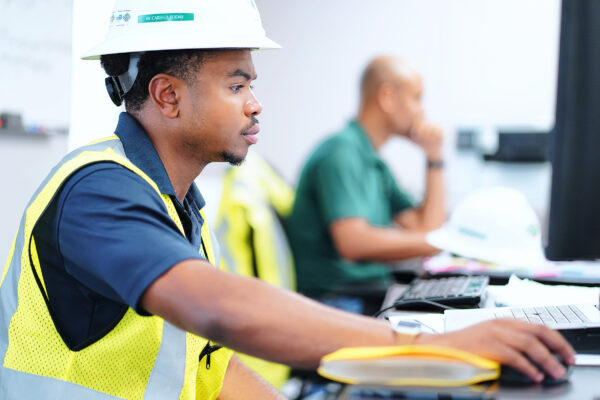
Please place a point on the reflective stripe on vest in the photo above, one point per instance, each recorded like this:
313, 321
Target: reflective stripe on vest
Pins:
141, 358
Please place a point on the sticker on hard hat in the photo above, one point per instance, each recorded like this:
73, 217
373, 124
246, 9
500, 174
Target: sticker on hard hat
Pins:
120, 17
532, 230
472, 233
165, 17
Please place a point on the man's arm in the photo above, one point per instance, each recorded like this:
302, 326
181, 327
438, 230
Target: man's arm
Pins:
432, 213
355, 239
256, 318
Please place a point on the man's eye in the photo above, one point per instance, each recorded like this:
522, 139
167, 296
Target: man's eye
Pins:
236, 88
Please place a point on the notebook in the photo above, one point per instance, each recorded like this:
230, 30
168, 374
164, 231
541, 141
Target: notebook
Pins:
579, 323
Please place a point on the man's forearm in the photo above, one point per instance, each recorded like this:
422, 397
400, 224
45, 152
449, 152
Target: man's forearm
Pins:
256, 318
357, 240
433, 211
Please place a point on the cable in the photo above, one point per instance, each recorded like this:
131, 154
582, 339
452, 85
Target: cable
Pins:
399, 304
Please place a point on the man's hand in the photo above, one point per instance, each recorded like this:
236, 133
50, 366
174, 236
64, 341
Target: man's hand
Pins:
429, 137
509, 342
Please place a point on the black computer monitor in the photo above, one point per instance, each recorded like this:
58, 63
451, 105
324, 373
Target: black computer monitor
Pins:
574, 223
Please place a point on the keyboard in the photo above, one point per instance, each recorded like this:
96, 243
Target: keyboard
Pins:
459, 291
578, 323
545, 315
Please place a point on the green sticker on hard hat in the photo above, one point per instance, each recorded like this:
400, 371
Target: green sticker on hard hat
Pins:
142, 19
532, 230
470, 232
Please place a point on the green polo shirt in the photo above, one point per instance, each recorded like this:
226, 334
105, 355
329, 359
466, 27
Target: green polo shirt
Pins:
343, 178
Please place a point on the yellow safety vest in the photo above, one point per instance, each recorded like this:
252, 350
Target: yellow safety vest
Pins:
140, 358
253, 242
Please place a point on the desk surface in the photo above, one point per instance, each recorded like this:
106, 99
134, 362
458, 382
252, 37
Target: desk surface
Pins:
583, 385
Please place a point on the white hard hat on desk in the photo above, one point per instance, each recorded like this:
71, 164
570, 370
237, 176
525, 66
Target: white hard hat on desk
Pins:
494, 224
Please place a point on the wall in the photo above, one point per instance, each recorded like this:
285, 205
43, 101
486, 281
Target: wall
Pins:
35, 60
24, 162
93, 115
35, 71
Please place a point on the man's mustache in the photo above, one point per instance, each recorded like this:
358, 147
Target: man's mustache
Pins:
253, 122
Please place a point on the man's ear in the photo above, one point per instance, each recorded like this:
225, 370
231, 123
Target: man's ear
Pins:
164, 91
386, 97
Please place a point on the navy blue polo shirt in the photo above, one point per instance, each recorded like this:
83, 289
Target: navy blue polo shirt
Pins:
107, 236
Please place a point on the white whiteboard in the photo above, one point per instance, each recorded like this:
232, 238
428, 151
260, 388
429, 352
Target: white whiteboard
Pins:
35, 60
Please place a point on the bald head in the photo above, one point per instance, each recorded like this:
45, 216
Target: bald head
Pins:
390, 96
385, 70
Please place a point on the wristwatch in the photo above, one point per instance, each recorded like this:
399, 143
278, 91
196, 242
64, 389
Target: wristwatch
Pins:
439, 164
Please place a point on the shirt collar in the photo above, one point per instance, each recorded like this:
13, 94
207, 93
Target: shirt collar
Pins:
140, 150
361, 137
196, 196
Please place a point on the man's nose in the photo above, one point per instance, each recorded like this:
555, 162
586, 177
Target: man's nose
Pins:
253, 106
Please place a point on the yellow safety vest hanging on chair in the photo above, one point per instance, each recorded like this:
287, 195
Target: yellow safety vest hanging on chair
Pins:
140, 358
252, 240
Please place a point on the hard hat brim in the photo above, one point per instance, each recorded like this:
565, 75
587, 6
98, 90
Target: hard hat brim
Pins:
140, 43
470, 247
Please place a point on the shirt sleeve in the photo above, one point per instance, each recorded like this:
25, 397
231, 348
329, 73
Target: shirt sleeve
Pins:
337, 186
115, 235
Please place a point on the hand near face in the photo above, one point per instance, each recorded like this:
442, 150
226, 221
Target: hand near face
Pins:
429, 137
510, 342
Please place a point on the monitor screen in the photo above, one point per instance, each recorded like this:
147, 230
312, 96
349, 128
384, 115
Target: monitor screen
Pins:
574, 218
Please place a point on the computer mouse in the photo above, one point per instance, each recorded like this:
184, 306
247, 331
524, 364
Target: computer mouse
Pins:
513, 377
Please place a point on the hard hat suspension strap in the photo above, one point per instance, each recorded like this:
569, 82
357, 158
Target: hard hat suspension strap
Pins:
119, 86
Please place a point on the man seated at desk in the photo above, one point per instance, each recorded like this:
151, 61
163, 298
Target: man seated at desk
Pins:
350, 218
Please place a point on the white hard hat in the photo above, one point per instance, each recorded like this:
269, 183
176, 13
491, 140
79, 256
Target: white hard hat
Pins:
150, 25
493, 224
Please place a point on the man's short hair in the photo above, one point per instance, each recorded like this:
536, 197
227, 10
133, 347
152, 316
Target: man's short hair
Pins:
179, 63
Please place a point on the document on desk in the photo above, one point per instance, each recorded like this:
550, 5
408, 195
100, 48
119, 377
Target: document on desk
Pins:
524, 292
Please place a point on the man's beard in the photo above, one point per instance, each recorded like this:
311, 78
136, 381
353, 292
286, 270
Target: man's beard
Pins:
232, 158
